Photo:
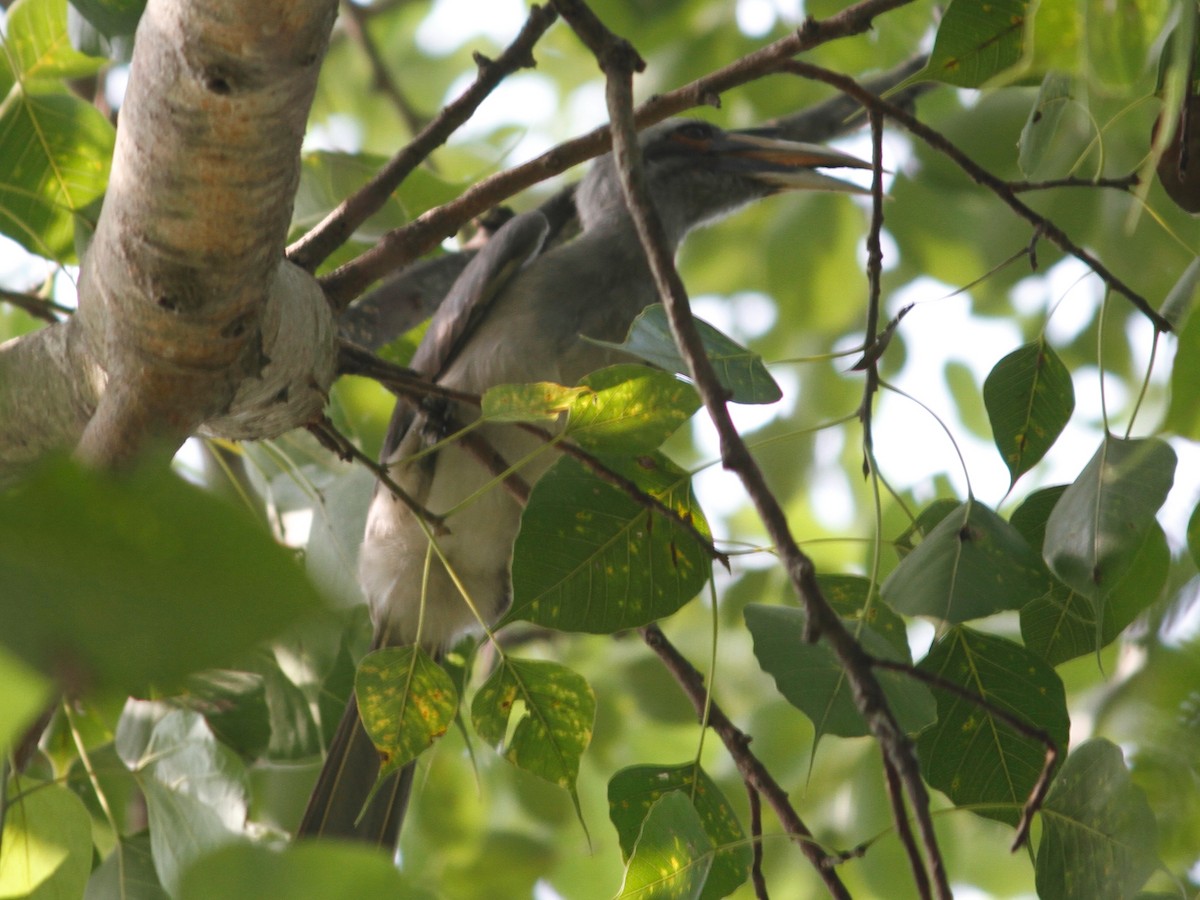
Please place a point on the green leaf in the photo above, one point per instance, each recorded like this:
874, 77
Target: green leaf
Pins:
672, 856
631, 409
1183, 412
1178, 305
157, 578
554, 710
1119, 33
973, 564
1053, 99
539, 402
38, 46
25, 695
305, 871
112, 18
127, 873
235, 706
812, 679
1061, 624
626, 408
55, 153
973, 756
406, 700
1102, 519
1098, 832
194, 789
1029, 399
589, 558
632, 793
46, 845
977, 40
1193, 535
739, 370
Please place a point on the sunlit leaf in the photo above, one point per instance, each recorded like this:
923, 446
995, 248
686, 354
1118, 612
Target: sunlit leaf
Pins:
210, 582
1052, 101
1098, 833
632, 409
37, 44
542, 401
589, 558
55, 152
305, 871
46, 845
973, 564
633, 792
1102, 519
673, 854
25, 694
406, 700
739, 370
1029, 399
812, 679
538, 715
973, 756
976, 41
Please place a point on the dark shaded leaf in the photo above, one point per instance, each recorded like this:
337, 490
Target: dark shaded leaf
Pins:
810, 677
120, 559
739, 370
1098, 833
1029, 399
589, 558
1102, 519
973, 564
971, 755
976, 41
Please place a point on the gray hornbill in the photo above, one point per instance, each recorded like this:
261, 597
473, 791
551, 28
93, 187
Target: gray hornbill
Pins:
517, 314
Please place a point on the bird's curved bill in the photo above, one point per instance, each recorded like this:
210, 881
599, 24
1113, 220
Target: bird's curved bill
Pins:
786, 165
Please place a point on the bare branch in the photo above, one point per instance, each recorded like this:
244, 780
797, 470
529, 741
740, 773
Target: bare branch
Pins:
753, 772
982, 176
312, 249
38, 307
424, 233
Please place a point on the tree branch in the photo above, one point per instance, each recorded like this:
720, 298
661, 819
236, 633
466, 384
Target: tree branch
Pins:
425, 232
982, 176
753, 772
312, 249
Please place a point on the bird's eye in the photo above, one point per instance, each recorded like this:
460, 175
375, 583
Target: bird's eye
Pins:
695, 131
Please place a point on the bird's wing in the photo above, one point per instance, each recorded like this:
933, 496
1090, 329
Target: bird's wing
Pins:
483, 279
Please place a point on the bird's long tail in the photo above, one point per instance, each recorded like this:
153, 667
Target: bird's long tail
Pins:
344, 784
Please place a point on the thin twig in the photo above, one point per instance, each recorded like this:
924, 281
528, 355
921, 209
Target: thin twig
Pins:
426, 231
756, 834
312, 249
895, 792
1124, 183
736, 456
38, 307
980, 175
356, 26
874, 290
753, 772
332, 439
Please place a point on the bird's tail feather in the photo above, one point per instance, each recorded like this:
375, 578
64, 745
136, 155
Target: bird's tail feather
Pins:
345, 782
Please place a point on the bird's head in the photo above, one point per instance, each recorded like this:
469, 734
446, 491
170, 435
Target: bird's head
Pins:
698, 172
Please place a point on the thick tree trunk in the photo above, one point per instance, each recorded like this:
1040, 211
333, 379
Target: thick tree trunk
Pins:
188, 316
